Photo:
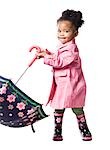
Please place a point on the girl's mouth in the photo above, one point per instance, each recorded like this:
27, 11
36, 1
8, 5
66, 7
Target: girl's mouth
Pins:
61, 37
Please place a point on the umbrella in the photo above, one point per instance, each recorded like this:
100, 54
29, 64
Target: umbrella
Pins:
16, 108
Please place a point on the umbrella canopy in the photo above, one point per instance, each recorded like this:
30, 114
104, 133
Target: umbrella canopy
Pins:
16, 108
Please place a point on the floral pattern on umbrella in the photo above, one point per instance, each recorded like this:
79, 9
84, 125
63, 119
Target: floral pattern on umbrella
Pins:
16, 108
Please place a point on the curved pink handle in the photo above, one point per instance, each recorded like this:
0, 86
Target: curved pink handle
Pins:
35, 47
33, 60
38, 49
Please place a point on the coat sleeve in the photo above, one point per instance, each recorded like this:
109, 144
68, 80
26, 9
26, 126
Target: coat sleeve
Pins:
61, 60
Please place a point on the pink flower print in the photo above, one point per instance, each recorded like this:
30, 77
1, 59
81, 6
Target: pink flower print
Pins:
20, 114
20, 105
58, 120
30, 111
28, 123
10, 107
31, 119
1, 99
11, 98
82, 119
3, 90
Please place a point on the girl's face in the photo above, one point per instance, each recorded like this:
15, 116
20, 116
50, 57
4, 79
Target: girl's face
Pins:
66, 31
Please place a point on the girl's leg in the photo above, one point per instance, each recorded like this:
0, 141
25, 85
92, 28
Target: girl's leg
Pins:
86, 135
58, 116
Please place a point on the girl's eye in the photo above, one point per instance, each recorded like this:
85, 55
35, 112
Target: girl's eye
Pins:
59, 31
67, 31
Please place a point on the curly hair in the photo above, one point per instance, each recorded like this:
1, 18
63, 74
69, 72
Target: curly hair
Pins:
75, 17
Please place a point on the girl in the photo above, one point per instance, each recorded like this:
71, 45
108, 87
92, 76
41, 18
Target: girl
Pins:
69, 87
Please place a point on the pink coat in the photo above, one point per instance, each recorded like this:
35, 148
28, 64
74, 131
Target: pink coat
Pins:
69, 86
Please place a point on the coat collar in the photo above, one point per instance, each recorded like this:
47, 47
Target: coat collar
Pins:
60, 46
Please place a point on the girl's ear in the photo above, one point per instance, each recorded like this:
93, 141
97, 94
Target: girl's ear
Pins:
75, 33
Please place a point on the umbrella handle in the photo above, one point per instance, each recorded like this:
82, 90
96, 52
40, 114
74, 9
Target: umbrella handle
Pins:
32, 61
38, 50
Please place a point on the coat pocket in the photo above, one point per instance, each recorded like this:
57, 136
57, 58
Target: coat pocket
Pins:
61, 73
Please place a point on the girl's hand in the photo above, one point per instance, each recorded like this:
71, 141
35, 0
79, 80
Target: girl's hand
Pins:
41, 54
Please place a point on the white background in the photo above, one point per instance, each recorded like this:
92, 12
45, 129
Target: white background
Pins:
24, 23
